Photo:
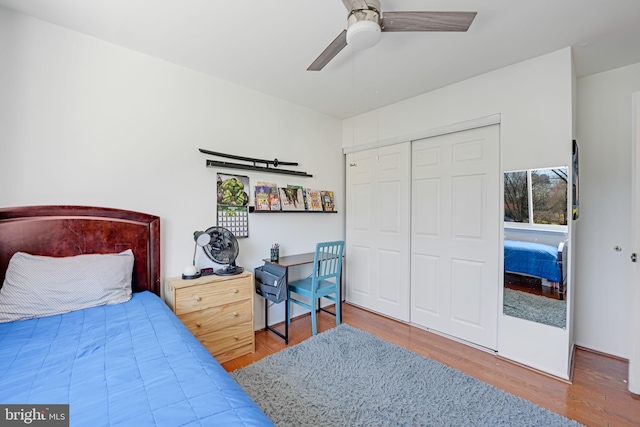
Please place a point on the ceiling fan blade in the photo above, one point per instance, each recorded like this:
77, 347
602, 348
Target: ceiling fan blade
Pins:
355, 5
427, 21
330, 52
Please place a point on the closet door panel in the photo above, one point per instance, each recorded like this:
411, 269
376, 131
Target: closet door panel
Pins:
387, 272
360, 267
467, 213
378, 190
362, 207
459, 225
467, 284
425, 192
425, 298
389, 211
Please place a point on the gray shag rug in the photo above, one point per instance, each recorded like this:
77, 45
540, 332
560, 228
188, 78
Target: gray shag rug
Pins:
347, 377
536, 308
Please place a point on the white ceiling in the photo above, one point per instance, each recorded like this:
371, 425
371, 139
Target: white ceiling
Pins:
267, 45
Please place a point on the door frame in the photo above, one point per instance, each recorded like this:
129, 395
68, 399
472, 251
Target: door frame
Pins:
634, 359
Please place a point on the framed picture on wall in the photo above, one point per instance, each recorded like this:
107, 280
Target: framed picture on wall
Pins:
575, 209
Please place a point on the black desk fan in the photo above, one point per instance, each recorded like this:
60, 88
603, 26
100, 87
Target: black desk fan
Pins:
222, 248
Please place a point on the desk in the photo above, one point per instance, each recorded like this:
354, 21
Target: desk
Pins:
286, 262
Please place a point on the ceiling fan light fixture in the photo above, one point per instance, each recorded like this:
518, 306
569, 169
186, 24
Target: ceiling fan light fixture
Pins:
365, 23
363, 35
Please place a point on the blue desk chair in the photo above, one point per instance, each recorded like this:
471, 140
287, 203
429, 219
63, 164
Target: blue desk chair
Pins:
324, 281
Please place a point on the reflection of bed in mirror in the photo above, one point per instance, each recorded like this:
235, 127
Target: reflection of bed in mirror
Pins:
535, 281
539, 261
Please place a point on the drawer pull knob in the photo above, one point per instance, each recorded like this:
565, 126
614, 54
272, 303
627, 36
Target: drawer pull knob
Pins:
235, 314
198, 298
198, 324
235, 291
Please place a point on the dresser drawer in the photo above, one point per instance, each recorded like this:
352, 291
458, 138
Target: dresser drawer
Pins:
200, 297
228, 339
215, 318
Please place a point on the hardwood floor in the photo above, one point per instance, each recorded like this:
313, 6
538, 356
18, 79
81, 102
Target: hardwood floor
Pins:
530, 285
597, 397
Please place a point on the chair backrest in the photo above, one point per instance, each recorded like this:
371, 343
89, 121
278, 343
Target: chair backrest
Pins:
327, 262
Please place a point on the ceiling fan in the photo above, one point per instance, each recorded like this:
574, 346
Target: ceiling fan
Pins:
366, 21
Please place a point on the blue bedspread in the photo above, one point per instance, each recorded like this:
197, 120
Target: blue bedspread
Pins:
131, 364
535, 259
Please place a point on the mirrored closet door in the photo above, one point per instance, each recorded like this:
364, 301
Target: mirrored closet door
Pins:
536, 245
534, 327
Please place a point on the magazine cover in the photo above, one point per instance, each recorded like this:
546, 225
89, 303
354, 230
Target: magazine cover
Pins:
314, 200
273, 196
274, 199
327, 201
291, 199
305, 198
262, 198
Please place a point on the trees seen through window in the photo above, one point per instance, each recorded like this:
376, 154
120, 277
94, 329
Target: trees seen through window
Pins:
536, 196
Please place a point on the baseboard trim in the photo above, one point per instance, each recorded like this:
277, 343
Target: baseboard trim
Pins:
546, 374
602, 353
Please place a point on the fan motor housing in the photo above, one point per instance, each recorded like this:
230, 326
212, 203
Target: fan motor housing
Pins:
363, 15
364, 29
372, 5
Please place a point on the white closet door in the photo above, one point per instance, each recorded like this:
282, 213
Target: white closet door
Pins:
455, 234
378, 212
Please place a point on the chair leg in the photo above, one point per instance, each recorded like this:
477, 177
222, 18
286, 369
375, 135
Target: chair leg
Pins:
313, 321
338, 313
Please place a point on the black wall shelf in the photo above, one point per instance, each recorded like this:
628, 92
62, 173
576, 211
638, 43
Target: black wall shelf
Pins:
217, 164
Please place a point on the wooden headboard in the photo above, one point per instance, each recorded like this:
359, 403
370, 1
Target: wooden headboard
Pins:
74, 230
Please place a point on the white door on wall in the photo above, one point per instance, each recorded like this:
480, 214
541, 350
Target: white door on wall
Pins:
455, 234
377, 235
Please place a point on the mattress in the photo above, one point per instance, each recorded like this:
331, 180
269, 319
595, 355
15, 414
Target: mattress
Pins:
130, 364
535, 259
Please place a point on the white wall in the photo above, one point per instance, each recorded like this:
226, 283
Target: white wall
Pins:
604, 277
533, 98
89, 123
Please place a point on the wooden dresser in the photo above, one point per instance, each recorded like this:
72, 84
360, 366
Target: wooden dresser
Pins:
218, 310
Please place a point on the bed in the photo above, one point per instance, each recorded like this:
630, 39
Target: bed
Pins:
124, 363
538, 260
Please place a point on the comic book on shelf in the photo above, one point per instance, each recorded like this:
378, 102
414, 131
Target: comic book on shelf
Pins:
273, 195
292, 198
275, 204
328, 204
314, 200
262, 198
305, 201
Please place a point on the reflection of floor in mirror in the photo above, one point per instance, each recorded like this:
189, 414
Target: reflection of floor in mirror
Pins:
535, 308
532, 285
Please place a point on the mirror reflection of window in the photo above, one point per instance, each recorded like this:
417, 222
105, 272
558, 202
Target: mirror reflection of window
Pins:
549, 194
536, 196
516, 196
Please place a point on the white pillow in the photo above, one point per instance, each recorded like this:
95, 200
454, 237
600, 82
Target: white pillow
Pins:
39, 286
